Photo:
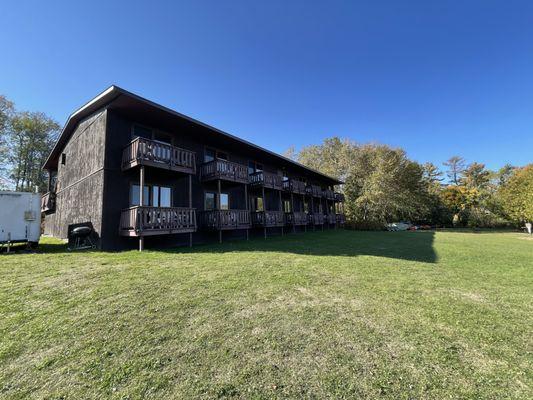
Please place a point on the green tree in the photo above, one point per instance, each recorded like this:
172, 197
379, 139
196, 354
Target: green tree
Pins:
31, 139
475, 176
6, 113
456, 167
516, 195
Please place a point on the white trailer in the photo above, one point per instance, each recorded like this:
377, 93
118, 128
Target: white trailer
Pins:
20, 217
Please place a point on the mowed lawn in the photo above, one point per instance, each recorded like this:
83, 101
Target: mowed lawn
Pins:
335, 314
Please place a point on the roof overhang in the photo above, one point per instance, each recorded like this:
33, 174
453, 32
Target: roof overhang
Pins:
134, 106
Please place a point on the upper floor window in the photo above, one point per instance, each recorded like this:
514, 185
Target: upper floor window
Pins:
212, 154
224, 201
256, 203
162, 137
141, 131
254, 167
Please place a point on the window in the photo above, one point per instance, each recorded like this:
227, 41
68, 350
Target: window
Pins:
209, 201
254, 167
224, 201
141, 131
256, 203
156, 196
134, 196
306, 207
209, 155
222, 156
287, 206
162, 137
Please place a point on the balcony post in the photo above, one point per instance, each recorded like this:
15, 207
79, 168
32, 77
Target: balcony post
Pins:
313, 210
264, 209
292, 211
190, 206
141, 203
281, 209
218, 212
247, 207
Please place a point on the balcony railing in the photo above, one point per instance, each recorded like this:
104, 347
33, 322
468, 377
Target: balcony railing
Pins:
296, 218
266, 179
340, 218
145, 221
313, 190
294, 186
328, 194
330, 218
142, 151
339, 197
268, 218
225, 170
48, 203
226, 219
316, 219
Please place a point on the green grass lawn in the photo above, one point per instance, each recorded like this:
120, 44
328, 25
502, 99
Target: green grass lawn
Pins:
334, 314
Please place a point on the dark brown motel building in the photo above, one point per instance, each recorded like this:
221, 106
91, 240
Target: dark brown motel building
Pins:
199, 184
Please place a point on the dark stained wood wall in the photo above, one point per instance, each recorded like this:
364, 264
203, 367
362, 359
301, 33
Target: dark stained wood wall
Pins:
81, 179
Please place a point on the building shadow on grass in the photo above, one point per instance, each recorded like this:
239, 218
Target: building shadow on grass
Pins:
412, 246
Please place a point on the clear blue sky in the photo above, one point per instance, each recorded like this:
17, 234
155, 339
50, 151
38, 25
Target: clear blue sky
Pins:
437, 78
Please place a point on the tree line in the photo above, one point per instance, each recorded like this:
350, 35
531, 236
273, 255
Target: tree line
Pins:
26, 139
381, 185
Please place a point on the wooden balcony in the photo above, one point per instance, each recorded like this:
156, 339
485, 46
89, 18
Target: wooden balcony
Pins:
296, 218
266, 179
330, 219
340, 219
294, 186
48, 203
314, 190
339, 197
224, 170
268, 219
145, 221
328, 194
147, 152
316, 219
226, 219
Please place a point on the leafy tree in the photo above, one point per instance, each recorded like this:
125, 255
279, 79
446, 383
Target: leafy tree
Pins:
516, 195
31, 139
290, 153
6, 113
456, 167
333, 157
458, 199
475, 176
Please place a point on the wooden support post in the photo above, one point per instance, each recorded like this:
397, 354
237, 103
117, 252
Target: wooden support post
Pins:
247, 208
264, 212
313, 211
141, 203
292, 211
281, 209
190, 206
218, 209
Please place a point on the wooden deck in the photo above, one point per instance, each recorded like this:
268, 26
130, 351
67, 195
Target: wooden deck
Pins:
48, 203
294, 186
268, 219
328, 194
226, 219
296, 218
224, 170
147, 152
339, 197
266, 179
316, 219
145, 221
313, 190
